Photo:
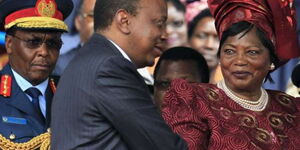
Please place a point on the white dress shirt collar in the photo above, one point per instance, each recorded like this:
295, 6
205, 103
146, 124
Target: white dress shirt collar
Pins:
121, 51
24, 84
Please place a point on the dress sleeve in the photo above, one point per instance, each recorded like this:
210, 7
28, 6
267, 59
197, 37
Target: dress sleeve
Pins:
179, 110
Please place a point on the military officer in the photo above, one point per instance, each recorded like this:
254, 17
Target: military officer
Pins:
33, 40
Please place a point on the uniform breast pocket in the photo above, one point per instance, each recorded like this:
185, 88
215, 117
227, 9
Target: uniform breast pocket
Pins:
15, 129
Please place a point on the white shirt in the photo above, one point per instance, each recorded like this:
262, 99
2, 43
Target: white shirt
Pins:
121, 51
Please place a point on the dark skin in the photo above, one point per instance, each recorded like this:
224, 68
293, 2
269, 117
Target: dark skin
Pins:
245, 62
141, 36
170, 70
32, 61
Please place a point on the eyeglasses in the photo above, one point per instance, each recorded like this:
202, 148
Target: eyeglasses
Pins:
37, 42
89, 16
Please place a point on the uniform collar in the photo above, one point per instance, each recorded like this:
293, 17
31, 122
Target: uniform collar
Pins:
24, 84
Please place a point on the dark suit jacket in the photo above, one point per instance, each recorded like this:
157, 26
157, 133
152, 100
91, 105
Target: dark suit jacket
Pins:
17, 113
64, 59
102, 103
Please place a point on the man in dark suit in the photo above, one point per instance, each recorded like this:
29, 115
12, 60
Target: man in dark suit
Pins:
102, 102
33, 40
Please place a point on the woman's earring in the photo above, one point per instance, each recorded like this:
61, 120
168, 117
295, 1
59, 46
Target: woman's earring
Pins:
272, 66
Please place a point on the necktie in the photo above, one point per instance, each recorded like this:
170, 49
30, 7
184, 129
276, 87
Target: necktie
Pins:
34, 93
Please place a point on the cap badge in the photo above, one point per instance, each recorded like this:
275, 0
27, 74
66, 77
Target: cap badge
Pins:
46, 8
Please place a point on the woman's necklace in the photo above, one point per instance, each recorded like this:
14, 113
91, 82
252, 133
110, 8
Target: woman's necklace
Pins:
258, 105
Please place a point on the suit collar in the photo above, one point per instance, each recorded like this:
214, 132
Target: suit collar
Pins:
98, 41
121, 50
102, 40
24, 84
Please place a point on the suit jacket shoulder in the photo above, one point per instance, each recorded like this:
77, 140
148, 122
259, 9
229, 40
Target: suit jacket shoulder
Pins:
102, 91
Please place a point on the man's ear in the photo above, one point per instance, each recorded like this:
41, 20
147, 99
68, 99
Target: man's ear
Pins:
122, 19
8, 44
77, 22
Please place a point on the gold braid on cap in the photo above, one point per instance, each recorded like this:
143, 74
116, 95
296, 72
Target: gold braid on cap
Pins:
42, 141
38, 22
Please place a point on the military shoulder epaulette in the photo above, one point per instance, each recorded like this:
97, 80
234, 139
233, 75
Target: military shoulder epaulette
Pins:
53, 82
5, 85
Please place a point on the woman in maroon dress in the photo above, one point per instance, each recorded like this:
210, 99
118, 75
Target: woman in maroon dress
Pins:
237, 113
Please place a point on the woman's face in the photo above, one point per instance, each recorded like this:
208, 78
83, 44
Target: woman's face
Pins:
245, 62
176, 27
205, 40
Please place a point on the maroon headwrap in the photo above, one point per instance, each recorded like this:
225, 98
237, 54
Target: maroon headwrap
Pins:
275, 17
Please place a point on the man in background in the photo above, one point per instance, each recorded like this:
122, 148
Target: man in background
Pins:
178, 62
84, 24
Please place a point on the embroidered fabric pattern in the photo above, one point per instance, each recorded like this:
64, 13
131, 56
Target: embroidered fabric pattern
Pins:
207, 119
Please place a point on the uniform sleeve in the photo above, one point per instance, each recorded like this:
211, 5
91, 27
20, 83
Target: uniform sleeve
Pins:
126, 103
179, 110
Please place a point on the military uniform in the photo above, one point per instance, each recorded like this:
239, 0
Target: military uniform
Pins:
26, 117
19, 122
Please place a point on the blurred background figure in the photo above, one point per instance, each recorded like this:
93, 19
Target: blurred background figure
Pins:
176, 29
296, 77
3, 54
71, 39
180, 12
84, 21
202, 36
176, 24
193, 7
294, 86
291, 88
84, 24
178, 62
282, 75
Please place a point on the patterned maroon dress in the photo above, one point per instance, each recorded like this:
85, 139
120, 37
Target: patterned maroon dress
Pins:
206, 118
